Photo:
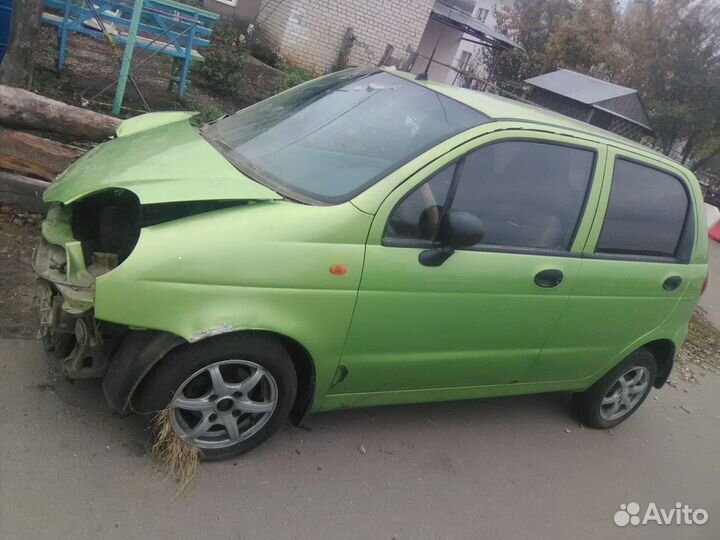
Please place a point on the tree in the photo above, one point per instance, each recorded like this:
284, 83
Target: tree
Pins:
671, 54
17, 65
529, 23
585, 41
668, 50
572, 34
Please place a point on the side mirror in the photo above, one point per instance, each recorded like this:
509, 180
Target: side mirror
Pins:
457, 230
460, 230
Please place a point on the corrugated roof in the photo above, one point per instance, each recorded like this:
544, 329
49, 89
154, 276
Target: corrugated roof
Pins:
629, 107
609, 97
457, 19
579, 87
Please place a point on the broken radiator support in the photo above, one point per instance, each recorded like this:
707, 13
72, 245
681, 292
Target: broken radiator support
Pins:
73, 340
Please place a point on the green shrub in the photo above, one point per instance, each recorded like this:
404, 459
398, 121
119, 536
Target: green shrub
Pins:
291, 77
224, 60
207, 113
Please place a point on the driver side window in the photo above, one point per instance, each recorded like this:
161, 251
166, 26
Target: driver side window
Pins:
527, 194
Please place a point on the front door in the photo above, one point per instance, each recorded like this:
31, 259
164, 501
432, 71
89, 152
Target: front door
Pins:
482, 316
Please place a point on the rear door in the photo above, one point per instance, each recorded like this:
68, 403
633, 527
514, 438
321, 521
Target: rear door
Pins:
634, 271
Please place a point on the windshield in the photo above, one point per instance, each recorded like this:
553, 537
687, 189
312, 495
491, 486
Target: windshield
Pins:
330, 139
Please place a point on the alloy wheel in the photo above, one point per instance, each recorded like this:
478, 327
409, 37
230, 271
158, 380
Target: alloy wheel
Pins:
223, 404
625, 393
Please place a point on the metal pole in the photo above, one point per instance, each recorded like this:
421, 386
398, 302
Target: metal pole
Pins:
127, 56
116, 52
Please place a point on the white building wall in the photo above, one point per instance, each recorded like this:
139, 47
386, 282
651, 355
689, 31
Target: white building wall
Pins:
473, 49
309, 33
241, 10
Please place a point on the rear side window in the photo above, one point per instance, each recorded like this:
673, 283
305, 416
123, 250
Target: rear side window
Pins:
647, 214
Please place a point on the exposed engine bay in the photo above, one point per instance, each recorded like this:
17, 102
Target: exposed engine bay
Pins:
79, 243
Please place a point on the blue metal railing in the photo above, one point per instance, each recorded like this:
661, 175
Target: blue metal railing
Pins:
5, 18
164, 27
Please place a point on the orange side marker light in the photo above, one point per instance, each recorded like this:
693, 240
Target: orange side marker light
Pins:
338, 269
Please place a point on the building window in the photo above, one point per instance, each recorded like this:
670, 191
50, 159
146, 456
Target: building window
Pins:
482, 14
464, 6
464, 60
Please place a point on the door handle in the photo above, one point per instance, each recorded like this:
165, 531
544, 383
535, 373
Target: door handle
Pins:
548, 278
672, 283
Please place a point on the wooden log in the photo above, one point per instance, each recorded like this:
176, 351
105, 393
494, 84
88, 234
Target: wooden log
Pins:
21, 192
28, 154
25, 110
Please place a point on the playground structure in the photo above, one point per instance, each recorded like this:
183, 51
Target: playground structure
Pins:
155, 26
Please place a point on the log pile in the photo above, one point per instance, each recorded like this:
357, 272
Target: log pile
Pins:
28, 161
33, 155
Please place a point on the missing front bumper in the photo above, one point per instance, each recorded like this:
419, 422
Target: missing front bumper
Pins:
73, 340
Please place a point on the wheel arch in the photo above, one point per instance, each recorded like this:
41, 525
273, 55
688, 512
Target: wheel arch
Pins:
664, 352
137, 354
305, 371
142, 350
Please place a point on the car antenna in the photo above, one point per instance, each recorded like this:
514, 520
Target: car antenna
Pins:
424, 75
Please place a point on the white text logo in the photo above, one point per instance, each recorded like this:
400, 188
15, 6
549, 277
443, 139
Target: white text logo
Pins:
680, 514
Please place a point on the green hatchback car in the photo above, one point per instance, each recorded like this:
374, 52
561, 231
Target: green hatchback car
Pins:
367, 239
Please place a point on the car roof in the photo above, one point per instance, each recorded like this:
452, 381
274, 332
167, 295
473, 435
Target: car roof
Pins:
498, 108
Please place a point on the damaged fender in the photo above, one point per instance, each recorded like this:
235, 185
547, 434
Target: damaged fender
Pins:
245, 268
136, 356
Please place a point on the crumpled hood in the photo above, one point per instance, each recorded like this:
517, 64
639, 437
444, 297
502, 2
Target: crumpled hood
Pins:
161, 158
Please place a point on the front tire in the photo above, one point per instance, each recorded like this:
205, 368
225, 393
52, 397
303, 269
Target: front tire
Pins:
617, 395
225, 395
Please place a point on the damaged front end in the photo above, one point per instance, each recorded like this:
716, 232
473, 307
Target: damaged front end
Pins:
79, 243
158, 169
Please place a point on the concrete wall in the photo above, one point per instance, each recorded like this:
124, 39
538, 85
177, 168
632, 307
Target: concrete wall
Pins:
309, 33
243, 10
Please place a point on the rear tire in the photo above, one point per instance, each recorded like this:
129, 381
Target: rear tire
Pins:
243, 380
618, 394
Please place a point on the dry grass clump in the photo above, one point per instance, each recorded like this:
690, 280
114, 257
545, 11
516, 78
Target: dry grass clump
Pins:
701, 348
179, 459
